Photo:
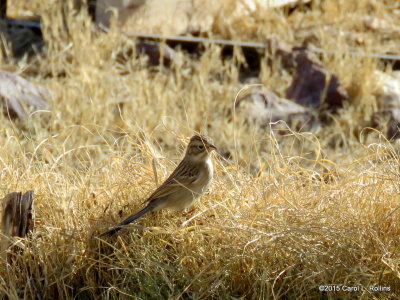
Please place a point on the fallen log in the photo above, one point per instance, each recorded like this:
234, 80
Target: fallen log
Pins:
17, 218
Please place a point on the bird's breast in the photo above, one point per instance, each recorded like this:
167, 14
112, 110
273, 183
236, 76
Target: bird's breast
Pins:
210, 167
205, 177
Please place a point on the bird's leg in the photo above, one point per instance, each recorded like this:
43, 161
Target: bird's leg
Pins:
188, 214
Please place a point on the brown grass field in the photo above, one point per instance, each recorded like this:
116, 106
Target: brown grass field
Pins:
286, 214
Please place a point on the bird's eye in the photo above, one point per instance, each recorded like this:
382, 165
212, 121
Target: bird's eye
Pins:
200, 147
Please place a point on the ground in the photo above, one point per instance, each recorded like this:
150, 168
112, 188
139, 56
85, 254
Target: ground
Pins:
311, 215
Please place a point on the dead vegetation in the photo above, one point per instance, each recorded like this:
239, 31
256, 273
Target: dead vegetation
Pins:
287, 213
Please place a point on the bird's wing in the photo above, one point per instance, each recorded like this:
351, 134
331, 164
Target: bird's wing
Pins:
183, 176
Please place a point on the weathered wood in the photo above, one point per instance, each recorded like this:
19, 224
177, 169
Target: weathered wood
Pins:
17, 219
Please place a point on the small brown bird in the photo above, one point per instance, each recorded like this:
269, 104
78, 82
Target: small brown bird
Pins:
184, 186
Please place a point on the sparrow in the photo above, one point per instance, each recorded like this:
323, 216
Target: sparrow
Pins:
184, 186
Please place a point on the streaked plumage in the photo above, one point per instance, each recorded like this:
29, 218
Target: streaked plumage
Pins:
184, 186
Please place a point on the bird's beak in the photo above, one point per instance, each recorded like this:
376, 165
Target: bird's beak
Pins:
212, 147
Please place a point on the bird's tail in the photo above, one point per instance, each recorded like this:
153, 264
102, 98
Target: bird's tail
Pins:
128, 220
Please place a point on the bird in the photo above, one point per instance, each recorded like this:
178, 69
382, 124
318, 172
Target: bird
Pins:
190, 179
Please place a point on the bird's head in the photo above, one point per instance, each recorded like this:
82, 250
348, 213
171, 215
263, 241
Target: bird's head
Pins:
200, 147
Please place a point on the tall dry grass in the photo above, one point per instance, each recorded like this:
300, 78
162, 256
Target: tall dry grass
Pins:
285, 215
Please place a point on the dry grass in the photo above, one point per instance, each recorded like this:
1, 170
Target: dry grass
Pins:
286, 214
